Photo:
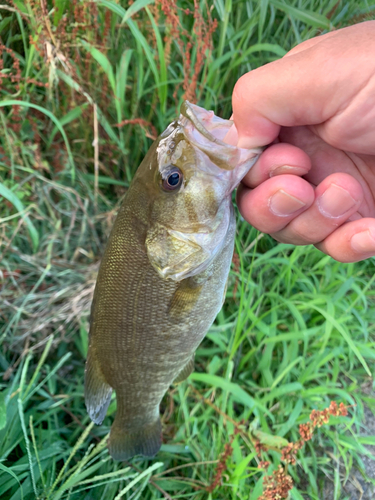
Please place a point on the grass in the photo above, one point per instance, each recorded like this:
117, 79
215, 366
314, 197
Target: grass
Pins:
84, 88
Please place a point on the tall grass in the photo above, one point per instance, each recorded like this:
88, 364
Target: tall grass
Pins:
85, 87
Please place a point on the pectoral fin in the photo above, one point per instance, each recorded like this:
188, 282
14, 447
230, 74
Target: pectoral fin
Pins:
185, 372
97, 391
184, 299
168, 254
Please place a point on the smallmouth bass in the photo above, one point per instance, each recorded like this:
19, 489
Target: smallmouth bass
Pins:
163, 276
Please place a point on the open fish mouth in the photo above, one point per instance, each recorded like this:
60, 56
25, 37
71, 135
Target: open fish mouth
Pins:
206, 122
206, 131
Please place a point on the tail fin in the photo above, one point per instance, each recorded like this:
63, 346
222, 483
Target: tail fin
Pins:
126, 442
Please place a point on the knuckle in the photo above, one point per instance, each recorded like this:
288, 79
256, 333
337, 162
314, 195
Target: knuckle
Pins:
297, 235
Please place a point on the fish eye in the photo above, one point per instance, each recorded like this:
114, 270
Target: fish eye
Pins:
173, 179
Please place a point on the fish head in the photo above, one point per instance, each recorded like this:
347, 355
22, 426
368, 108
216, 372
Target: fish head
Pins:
191, 174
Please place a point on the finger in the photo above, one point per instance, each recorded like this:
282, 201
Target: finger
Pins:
326, 160
337, 198
352, 242
278, 159
274, 203
310, 87
231, 136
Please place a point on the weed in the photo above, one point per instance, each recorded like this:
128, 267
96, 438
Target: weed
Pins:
85, 86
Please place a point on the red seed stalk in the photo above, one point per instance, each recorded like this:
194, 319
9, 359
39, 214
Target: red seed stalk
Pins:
278, 485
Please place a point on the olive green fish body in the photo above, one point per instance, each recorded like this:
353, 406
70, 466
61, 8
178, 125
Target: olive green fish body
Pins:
160, 285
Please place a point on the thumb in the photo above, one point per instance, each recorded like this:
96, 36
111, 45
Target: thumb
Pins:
308, 87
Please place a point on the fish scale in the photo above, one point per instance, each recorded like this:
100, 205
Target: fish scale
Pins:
163, 275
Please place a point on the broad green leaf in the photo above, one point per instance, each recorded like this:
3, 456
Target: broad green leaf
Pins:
292, 418
121, 79
102, 179
269, 439
163, 88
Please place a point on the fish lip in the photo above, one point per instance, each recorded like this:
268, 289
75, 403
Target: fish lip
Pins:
187, 110
205, 131
191, 111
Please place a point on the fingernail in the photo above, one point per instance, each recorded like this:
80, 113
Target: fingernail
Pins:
288, 169
335, 201
284, 204
363, 242
231, 136
251, 142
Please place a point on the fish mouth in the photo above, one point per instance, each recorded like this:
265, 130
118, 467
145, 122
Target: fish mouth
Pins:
207, 123
206, 131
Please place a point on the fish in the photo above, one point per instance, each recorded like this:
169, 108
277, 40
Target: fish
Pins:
163, 275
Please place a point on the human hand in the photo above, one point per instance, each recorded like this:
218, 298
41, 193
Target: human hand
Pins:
316, 182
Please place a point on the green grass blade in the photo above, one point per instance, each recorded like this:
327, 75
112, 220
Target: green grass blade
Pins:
27, 443
134, 8
103, 61
120, 11
234, 389
306, 16
76, 447
16, 202
53, 118
163, 85
38, 368
346, 336
8, 470
68, 118
143, 474
3, 410
121, 81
